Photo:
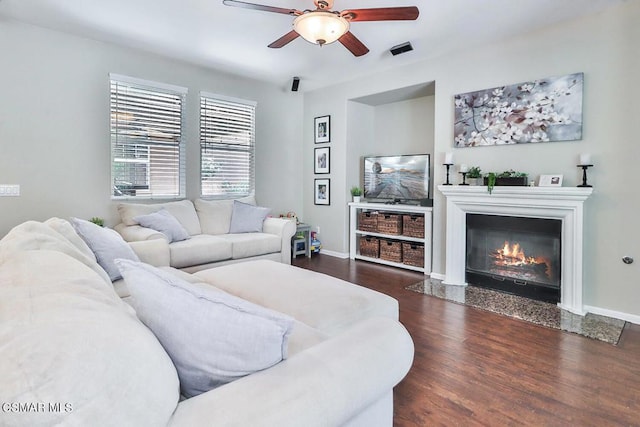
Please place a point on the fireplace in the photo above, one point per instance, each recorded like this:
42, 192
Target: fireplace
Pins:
564, 204
517, 255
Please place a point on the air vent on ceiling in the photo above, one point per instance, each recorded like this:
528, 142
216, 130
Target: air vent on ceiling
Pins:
401, 48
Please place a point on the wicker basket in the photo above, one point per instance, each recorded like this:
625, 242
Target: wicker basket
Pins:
389, 223
390, 250
368, 221
413, 226
413, 254
370, 246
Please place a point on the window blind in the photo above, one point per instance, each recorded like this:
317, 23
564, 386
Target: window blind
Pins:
147, 139
227, 146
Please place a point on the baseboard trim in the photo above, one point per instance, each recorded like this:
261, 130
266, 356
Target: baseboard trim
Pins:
437, 276
341, 255
632, 318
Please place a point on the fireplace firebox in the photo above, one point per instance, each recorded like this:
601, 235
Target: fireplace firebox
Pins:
517, 255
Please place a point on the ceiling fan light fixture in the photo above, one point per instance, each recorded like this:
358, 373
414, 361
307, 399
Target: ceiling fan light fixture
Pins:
320, 27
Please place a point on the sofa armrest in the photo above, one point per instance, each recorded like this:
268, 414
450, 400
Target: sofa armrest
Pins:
285, 228
328, 384
137, 233
155, 252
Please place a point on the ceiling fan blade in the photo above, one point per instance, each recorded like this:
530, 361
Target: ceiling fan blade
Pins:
409, 13
264, 8
352, 43
287, 38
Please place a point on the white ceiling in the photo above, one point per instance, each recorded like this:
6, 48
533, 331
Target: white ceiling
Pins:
207, 33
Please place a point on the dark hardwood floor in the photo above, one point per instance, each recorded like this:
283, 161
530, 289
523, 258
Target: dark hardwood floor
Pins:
473, 367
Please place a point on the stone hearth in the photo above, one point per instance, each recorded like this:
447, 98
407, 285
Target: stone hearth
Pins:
563, 203
594, 326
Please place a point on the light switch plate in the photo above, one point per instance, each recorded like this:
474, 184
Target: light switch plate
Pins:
9, 190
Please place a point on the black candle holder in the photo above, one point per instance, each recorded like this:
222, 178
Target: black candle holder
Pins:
584, 175
448, 165
464, 178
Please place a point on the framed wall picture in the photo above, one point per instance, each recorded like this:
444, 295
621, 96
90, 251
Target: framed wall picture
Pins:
543, 110
321, 191
321, 160
550, 181
322, 129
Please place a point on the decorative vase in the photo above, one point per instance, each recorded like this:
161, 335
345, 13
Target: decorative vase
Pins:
356, 199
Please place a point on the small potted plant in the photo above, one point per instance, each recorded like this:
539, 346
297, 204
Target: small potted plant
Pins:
356, 192
97, 221
475, 175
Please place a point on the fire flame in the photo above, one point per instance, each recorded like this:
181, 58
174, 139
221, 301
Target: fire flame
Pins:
513, 255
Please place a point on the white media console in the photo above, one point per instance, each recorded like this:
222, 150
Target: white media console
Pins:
355, 234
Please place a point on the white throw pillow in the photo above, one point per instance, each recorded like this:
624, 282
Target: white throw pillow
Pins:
247, 218
165, 223
65, 228
38, 236
106, 244
215, 215
212, 337
182, 210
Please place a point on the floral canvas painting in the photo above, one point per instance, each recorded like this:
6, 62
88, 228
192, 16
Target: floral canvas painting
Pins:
537, 111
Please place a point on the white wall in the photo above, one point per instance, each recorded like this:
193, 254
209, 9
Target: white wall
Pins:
405, 127
605, 48
54, 124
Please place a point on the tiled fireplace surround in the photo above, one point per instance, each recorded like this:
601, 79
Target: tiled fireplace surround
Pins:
563, 203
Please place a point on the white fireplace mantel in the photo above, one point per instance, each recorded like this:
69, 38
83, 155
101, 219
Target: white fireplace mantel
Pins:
563, 203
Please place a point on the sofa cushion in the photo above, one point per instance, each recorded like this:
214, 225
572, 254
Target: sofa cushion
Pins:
227, 338
215, 215
303, 337
33, 235
165, 223
318, 300
183, 211
68, 339
246, 218
246, 245
65, 228
106, 244
200, 249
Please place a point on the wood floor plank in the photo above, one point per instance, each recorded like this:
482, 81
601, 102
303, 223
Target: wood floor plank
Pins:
474, 367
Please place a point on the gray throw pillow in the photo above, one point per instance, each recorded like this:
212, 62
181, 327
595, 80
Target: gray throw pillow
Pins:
247, 218
212, 337
165, 223
106, 244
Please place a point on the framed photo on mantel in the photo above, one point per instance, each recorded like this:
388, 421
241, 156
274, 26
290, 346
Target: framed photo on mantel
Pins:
550, 181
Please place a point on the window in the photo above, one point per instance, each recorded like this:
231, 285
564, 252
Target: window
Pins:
227, 147
147, 139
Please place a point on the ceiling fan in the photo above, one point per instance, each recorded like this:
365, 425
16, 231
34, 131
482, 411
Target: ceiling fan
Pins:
323, 25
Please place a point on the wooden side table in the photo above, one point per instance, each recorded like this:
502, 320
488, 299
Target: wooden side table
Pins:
303, 237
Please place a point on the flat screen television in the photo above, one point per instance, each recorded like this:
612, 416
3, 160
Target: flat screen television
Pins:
403, 178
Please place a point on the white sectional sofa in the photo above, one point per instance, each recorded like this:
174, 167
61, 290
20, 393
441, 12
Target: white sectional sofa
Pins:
210, 242
74, 353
